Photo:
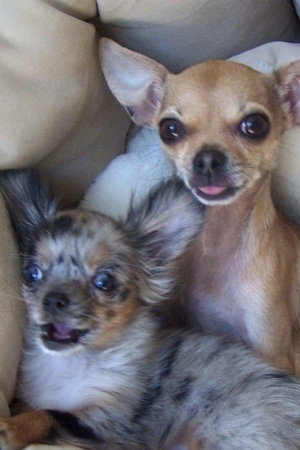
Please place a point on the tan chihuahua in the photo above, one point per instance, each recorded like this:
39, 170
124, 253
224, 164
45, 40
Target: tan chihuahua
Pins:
221, 123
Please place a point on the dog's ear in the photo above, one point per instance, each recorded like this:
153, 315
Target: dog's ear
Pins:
162, 228
28, 200
287, 80
136, 81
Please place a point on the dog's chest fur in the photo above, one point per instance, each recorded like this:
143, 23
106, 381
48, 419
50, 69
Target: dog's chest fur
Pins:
217, 299
104, 376
230, 254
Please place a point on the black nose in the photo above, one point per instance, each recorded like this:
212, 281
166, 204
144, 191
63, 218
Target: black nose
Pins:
55, 301
209, 161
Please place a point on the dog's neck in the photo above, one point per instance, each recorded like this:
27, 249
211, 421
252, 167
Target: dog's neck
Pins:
224, 251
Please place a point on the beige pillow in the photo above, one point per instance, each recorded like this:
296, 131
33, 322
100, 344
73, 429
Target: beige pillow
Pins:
179, 34
11, 312
56, 111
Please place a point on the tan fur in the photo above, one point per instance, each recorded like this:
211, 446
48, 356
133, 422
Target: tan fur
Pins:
23, 429
243, 273
245, 264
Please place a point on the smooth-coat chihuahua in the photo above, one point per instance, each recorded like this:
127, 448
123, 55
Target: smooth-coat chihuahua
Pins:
100, 369
221, 123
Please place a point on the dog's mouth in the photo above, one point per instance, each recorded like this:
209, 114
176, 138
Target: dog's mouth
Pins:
58, 335
211, 193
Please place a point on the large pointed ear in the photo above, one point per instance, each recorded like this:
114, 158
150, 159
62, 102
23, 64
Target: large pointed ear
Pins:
162, 228
136, 81
28, 200
288, 88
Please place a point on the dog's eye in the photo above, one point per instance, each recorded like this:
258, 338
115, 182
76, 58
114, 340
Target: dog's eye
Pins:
105, 281
255, 126
171, 130
32, 273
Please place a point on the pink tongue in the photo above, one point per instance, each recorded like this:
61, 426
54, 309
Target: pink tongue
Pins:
61, 331
212, 190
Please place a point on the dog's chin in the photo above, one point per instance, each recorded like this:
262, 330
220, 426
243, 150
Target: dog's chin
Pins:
61, 338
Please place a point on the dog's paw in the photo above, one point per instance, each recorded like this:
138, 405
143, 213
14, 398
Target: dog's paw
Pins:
7, 436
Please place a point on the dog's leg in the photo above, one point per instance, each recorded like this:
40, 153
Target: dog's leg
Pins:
19, 431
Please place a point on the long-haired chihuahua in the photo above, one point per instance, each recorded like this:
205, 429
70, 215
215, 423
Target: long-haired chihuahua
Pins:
100, 368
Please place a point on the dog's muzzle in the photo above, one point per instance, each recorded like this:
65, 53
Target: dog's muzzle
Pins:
59, 332
210, 180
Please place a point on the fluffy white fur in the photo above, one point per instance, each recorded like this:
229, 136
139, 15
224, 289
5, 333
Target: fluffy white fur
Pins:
129, 177
45, 373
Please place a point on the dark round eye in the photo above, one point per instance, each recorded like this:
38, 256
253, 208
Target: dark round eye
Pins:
105, 281
32, 273
171, 130
255, 126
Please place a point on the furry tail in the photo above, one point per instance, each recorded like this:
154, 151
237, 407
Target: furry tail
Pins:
28, 200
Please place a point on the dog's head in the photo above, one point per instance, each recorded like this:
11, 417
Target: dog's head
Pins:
86, 276
220, 122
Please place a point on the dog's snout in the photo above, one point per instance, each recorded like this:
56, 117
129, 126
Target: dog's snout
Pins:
55, 301
209, 161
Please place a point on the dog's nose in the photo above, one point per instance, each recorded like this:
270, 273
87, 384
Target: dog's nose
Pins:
209, 161
55, 301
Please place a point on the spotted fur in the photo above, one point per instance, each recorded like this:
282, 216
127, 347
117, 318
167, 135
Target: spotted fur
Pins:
99, 369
